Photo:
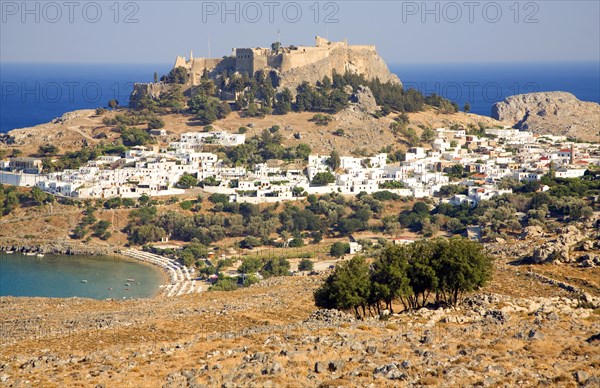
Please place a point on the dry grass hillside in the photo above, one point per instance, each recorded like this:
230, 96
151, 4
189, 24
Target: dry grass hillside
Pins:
520, 329
272, 335
362, 131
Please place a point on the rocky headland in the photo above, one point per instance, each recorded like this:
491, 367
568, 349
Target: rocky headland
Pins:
555, 113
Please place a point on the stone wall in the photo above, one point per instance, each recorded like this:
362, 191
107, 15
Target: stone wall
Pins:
295, 65
153, 90
199, 65
244, 61
304, 56
356, 59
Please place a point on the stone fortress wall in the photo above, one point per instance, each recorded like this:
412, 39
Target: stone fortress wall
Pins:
293, 64
287, 59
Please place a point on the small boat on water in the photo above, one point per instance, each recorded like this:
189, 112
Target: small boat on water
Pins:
10, 252
131, 280
127, 284
40, 255
110, 288
84, 281
30, 253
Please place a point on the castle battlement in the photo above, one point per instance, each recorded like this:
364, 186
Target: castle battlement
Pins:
327, 55
292, 65
364, 47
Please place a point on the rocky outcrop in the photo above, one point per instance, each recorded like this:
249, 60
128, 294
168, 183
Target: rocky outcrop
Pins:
358, 60
364, 100
58, 131
153, 90
559, 249
55, 246
555, 113
291, 66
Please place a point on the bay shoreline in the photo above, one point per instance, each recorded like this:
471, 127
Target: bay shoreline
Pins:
65, 248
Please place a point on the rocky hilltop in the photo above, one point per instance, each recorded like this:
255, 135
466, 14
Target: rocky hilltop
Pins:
290, 66
341, 59
556, 113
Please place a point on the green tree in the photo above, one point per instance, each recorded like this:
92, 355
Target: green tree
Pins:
283, 102
250, 265
38, 196
461, 266
112, 104
305, 265
100, 229
187, 181
339, 249
339, 132
47, 150
135, 137
296, 242
427, 135
155, 123
348, 288
146, 233
422, 274
78, 233
334, 160
467, 107
11, 202
389, 278
275, 267
303, 151
224, 284
323, 178
186, 205
178, 75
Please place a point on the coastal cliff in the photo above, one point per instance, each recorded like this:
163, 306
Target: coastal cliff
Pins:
555, 113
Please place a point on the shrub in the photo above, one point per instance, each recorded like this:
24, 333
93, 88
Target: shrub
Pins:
186, 205
339, 249
155, 123
224, 284
276, 267
323, 178
305, 265
250, 265
321, 119
218, 198
296, 243
186, 181
250, 242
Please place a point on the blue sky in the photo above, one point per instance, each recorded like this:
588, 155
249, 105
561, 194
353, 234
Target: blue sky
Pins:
404, 31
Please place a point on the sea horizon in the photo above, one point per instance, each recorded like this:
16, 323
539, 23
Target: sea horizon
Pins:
30, 97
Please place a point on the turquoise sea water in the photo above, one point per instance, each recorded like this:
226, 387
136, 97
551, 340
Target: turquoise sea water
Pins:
60, 276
